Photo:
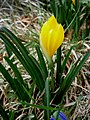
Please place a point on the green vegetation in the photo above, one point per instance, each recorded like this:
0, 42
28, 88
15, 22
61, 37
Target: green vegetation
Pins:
30, 87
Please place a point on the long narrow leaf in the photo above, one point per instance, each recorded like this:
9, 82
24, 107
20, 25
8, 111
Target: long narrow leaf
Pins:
22, 49
3, 113
17, 53
8, 50
10, 80
27, 92
66, 58
70, 77
7, 76
14, 39
42, 61
58, 71
38, 106
19, 90
27, 62
73, 74
80, 65
14, 68
15, 85
19, 82
11, 115
35, 67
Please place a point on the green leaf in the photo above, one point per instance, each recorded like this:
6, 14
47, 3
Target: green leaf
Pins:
30, 64
80, 65
14, 68
65, 84
28, 92
39, 78
72, 74
66, 59
14, 39
7, 76
42, 61
19, 83
15, 84
8, 50
38, 106
58, 71
11, 115
20, 91
3, 113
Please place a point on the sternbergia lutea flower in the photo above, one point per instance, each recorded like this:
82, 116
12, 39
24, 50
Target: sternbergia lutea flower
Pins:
73, 2
51, 37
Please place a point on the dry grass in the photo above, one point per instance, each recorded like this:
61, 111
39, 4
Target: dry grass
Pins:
25, 21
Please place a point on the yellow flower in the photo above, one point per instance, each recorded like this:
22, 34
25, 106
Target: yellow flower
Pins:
73, 2
51, 37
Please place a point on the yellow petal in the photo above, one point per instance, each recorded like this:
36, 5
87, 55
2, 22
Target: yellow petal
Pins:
47, 26
58, 37
73, 2
51, 36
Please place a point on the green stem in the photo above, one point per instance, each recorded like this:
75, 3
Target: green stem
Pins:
47, 90
52, 78
58, 72
51, 75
